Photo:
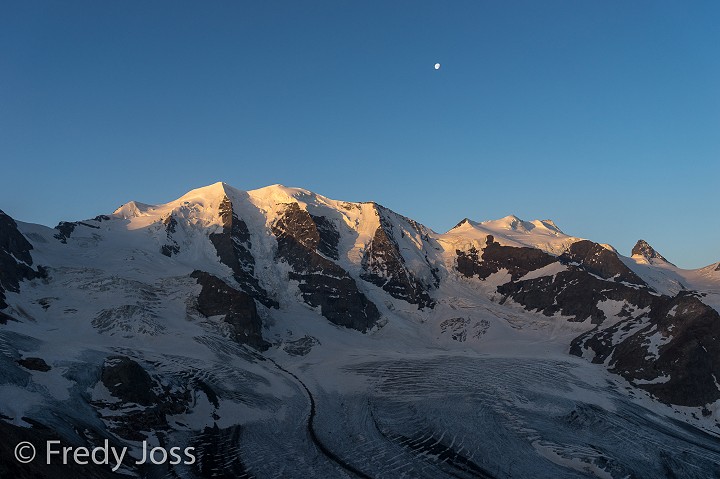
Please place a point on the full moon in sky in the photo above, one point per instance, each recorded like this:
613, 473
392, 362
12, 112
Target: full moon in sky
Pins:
437, 66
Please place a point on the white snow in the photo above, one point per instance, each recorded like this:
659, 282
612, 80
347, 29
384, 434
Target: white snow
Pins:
511, 231
550, 270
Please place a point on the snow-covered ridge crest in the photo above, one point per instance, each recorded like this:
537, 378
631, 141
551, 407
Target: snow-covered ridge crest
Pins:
511, 231
201, 205
132, 209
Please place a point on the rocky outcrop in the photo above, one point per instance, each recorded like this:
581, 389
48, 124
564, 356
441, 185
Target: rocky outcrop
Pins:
171, 247
64, 231
66, 228
234, 247
15, 259
322, 283
642, 248
238, 308
34, 364
517, 261
128, 381
666, 345
131, 385
596, 259
384, 266
672, 350
573, 293
328, 237
591, 275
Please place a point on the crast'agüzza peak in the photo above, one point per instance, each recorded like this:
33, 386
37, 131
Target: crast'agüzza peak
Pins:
280, 333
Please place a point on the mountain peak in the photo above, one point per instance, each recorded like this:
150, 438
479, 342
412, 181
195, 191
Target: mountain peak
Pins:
461, 222
210, 191
512, 222
132, 209
643, 248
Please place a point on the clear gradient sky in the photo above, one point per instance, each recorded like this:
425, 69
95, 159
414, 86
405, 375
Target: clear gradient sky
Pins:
601, 115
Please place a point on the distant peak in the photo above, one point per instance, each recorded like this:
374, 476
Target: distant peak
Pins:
462, 222
132, 209
643, 248
514, 223
213, 193
507, 222
282, 194
511, 222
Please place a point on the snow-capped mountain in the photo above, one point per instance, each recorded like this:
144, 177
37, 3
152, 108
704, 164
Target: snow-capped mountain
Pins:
285, 334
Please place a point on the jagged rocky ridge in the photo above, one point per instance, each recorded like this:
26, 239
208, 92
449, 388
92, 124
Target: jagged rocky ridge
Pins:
666, 345
15, 260
323, 283
234, 249
384, 265
247, 274
642, 248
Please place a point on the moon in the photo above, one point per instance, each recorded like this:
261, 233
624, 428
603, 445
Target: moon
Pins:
437, 66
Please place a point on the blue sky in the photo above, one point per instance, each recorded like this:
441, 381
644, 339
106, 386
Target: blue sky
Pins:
601, 115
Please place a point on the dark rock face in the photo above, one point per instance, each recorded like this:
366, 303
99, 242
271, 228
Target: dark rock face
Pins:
129, 382
668, 346
218, 298
65, 229
600, 261
590, 277
518, 261
675, 346
573, 293
171, 247
4, 318
323, 283
12, 241
642, 248
384, 266
594, 274
328, 235
15, 258
692, 356
34, 364
234, 249
689, 358
469, 263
